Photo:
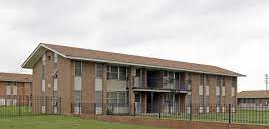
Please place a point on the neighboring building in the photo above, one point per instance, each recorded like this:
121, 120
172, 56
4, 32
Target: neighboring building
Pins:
14, 86
253, 99
82, 76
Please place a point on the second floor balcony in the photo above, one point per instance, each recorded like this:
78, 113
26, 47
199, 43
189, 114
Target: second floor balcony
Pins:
162, 83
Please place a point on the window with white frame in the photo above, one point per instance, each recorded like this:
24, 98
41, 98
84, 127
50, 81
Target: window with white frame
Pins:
233, 91
217, 90
223, 91
8, 88
207, 90
201, 90
118, 97
55, 87
122, 73
15, 88
43, 86
43, 71
98, 70
78, 67
201, 79
55, 58
116, 72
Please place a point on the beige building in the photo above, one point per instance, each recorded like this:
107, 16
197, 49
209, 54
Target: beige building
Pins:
91, 81
14, 87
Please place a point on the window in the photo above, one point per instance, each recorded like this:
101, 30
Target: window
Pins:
55, 58
223, 91
8, 90
98, 70
201, 92
218, 81
43, 89
55, 87
55, 84
171, 77
77, 86
122, 73
98, 97
218, 91
15, 88
115, 72
137, 72
223, 81
78, 66
206, 80
119, 98
207, 90
43, 71
201, 79
233, 91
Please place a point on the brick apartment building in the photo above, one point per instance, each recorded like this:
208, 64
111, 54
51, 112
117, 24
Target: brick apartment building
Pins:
88, 76
13, 86
253, 99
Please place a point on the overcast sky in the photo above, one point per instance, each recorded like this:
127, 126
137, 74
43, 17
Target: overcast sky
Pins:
232, 34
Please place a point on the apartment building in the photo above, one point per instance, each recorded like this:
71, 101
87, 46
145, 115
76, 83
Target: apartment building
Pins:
83, 76
253, 99
14, 86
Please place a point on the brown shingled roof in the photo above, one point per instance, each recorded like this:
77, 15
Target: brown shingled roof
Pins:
88, 54
16, 77
253, 94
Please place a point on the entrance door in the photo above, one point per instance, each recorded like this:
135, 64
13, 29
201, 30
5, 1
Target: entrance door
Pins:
137, 103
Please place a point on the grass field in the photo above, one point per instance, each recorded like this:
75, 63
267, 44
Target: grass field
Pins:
61, 122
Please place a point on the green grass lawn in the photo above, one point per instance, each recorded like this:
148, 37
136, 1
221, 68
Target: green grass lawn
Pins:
15, 110
61, 122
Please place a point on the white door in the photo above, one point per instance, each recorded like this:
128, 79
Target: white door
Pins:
138, 103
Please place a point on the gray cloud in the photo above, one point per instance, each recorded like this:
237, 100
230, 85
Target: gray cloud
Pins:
229, 33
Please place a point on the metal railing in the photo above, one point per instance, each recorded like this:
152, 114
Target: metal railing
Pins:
28, 106
227, 113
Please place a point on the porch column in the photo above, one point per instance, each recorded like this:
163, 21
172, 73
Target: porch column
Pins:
131, 94
104, 90
144, 102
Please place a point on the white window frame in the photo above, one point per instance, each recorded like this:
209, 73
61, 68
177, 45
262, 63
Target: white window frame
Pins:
223, 91
96, 69
15, 89
118, 67
43, 85
55, 58
217, 90
55, 84
233, 91
207, 90
201, 90
8, 89
75, 68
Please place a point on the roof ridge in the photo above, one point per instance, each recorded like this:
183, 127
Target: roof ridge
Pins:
191, 63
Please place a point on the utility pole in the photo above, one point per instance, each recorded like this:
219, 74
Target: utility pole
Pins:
266, 81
